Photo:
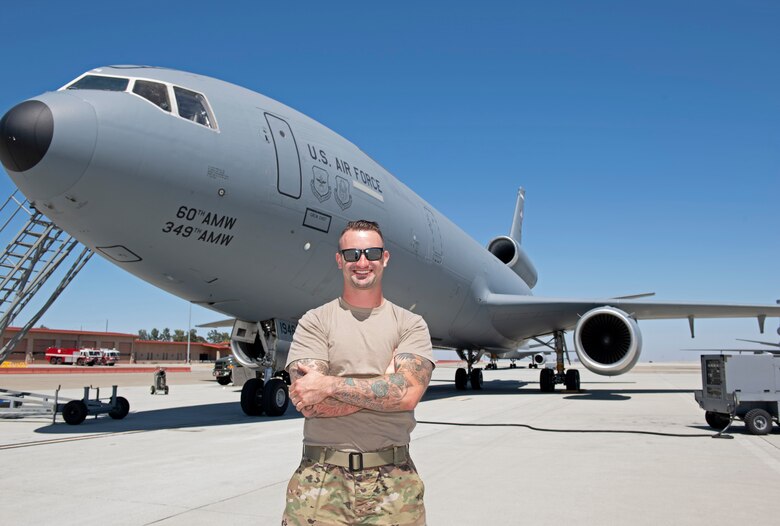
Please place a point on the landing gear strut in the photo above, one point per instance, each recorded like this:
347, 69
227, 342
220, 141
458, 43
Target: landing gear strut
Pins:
493, 364
255, 346
548, 378
464, 376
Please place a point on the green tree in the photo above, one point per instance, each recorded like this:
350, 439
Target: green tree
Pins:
194, 336
155, 334
166, 335
214, 336
179, 335
143, 335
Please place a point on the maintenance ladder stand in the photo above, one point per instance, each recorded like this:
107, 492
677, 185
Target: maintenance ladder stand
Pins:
28, 261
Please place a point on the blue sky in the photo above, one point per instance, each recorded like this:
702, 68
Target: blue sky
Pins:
646, 134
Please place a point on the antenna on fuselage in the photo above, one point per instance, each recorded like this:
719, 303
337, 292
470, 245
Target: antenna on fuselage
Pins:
516, 231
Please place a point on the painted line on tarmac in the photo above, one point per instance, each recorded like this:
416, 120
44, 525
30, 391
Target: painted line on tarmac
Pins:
69, 439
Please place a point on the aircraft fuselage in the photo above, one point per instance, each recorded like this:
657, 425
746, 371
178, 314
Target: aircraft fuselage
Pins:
240, 207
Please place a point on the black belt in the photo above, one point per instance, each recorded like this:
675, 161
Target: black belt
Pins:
355, 460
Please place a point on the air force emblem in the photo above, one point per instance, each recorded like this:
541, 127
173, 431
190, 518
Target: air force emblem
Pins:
343, 195
320, 183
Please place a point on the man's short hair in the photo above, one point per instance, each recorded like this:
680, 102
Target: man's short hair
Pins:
363, 224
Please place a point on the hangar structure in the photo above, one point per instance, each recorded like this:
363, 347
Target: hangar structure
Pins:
31, 348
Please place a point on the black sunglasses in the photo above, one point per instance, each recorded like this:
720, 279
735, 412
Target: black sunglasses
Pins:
353, 254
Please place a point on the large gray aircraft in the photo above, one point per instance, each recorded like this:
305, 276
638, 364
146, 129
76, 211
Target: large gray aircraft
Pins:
231, 200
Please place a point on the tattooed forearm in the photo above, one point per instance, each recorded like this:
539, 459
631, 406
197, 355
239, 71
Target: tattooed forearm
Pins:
418, 368
316, 394
329, 407
399, 391
320, 366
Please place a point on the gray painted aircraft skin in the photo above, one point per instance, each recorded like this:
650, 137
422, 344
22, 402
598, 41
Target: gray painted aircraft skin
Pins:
231, 200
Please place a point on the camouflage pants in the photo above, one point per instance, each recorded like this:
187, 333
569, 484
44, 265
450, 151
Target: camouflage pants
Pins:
327, 495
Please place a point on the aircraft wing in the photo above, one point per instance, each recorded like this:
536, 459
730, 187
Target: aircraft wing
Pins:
759, 341
722, 350
520, 317
216, 324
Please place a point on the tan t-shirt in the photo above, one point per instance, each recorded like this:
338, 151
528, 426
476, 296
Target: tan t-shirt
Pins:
359, 343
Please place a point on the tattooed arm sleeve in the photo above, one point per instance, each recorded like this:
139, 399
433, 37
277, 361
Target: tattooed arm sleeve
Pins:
399, 391
328, 407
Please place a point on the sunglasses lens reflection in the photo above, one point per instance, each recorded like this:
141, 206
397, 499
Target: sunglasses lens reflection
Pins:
373, 254
353, 254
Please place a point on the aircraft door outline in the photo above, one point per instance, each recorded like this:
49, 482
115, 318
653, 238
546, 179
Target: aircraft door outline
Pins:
288, 163
433, 228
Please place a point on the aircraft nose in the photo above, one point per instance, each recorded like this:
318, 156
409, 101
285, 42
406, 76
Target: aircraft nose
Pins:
25, 135
47, 143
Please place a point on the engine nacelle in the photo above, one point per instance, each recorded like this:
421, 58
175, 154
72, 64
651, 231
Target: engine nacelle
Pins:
607, 341
538, 359
509, 252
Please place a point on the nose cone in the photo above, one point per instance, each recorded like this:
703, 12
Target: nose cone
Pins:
47, 144
25, 135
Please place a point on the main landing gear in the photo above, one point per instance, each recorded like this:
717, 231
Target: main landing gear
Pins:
258, 397
464, 376
494, 362
255, 346
548, 378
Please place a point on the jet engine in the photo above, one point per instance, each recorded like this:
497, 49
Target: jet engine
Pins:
508, 251
607, 341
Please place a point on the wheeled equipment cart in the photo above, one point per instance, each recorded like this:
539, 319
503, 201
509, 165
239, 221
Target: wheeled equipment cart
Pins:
740, 386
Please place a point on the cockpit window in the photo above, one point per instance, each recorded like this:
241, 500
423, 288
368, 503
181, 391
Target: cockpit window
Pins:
101, 83
154, 92
193, 106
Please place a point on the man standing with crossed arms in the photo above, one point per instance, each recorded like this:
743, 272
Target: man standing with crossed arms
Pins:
359, 365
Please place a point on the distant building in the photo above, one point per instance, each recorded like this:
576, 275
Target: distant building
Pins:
32, 348
154, 351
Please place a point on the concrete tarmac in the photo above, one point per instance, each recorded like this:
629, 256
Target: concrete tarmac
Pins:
632, 449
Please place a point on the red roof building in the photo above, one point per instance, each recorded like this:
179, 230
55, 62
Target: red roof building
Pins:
32, 348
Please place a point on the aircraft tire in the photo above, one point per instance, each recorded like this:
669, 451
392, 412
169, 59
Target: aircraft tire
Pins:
252, 397
121, 409
758, 422
461, 379
717, 421
476, 379
547, 380
276, 398
572, 380
223, 380
74, 412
